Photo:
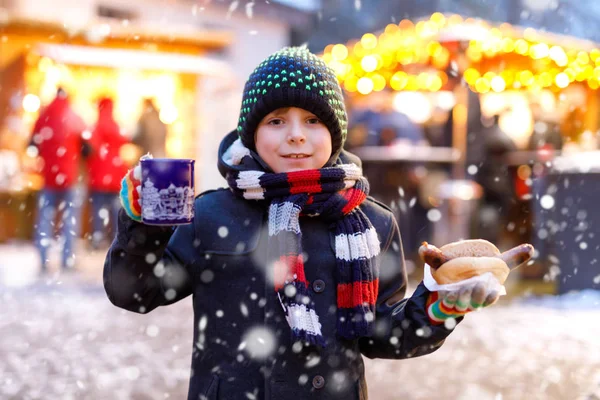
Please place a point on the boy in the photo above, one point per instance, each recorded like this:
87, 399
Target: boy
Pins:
294, 271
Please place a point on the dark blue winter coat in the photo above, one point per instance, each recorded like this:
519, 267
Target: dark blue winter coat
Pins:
219, 260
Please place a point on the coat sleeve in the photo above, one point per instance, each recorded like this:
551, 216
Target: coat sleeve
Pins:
402, 328
144, 268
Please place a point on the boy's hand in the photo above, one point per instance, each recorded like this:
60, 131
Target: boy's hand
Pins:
458, 303
131, 192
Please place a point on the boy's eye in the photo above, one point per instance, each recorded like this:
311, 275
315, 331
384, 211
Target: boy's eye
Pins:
313, 120
275, 121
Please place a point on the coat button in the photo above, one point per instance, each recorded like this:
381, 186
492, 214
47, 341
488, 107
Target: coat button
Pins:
318, 382
318, 286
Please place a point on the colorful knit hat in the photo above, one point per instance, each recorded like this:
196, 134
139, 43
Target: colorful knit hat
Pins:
293, 77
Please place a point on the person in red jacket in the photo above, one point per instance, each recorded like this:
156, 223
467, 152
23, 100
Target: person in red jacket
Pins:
57, 135
105, 171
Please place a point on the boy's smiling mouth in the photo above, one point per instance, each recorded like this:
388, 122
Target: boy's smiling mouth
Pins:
296, 155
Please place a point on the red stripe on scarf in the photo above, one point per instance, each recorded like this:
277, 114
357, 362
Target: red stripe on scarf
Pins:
350, 295
304, 181
285, 268
354, 197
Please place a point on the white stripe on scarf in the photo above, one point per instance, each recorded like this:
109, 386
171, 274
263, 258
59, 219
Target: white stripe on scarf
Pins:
353, 173
284, 217
302, 318
357, 246
249, 182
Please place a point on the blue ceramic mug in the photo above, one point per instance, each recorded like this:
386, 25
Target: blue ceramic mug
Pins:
167, 191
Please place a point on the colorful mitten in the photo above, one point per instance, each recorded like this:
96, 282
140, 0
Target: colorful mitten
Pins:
458, 303
130, 194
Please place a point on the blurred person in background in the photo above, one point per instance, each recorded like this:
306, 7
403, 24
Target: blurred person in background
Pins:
57, 135
106, 167
151, 132
396, 183
496, 179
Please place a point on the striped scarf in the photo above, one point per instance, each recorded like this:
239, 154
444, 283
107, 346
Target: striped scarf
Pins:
334, 194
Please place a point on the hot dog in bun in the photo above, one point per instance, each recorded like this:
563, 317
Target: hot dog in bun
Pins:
464, 259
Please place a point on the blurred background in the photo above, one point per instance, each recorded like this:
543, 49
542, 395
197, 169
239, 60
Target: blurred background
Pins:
473, 119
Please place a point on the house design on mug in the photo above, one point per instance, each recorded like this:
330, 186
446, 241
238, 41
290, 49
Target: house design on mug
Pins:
170, 203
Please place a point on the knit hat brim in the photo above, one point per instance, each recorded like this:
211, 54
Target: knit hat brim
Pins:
294, 98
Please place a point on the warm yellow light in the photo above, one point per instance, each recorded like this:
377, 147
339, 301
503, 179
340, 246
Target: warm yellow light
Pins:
442, 59
358, 50
471, 75
545, 79
558, 55
339, 68
31, 103
583, 58
399, 80
350, 84
368, 63
562, 80
526, 77
364, 85
339, 52
570, 74
508, 76
391, 29
368, 41
521, 47
508, 45
455, 19
434, 49
423, 80
539, 51
411, 84
168, 114
482, 85
435, 84
378, 82
498, 84
44, 64
438, 19
474, 54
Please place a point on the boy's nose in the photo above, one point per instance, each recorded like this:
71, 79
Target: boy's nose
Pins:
296, 134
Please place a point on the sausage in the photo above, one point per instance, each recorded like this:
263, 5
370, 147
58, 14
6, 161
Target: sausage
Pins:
517, 255
432, 255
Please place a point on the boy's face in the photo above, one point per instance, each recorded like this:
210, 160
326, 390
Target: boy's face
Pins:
293, 139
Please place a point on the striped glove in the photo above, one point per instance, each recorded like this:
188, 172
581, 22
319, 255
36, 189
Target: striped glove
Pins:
459, 303
131, 191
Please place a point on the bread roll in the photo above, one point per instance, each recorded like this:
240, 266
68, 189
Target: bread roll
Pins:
465, 267
470, 248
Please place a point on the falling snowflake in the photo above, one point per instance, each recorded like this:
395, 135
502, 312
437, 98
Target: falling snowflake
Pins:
223, 232
434, 215
472, 169
232, 7
250, 9
152, 330
150, 258
244, 310
547, 201
207, 276
258, 343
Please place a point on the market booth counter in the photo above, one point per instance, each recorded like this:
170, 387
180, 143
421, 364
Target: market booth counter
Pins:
127, 63
18, 198
567, 221
533, 90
